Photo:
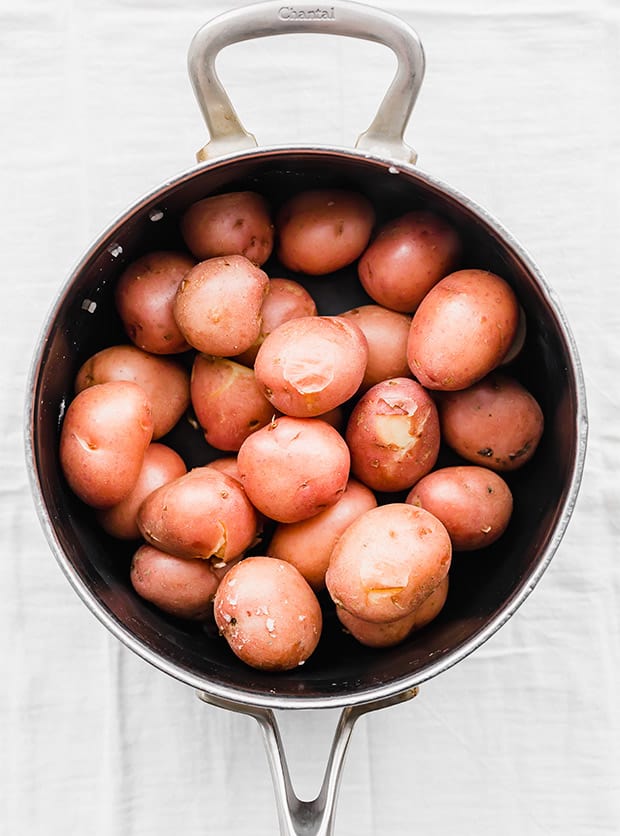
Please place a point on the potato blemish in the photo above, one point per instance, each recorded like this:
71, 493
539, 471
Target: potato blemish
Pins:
308, 375
401, 431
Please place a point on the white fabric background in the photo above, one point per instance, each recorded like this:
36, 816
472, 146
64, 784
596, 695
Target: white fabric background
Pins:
519, 110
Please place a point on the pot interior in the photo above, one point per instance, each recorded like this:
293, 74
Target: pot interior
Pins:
486, 586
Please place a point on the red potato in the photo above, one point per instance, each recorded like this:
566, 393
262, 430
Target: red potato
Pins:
203, 514
390, 633
144, 295
218, 304
308, 544
388, 561
386, 333
285, 300
311, 365
294, 468
177, 585
322, 230
165, 381
462, 330
227, 401
161, 465
104, 436
228, 465
474, 504
393, 435
409, 255
496, 423
268, 614
235, 223
518, 341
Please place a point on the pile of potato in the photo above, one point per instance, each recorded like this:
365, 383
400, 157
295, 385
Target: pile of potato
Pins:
330, 427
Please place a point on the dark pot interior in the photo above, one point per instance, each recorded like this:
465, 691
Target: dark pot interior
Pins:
486, 586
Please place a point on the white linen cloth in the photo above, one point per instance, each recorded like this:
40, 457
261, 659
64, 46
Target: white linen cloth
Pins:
520, 111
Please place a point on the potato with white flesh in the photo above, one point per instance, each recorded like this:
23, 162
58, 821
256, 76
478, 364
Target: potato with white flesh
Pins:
294, 468
203, 514
228, 402
474, 504
388, 561
390, 633
393, 435
311, 365
217, 305
268, 614
308, 544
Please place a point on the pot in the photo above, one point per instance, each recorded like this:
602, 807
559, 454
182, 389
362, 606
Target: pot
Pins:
485, 591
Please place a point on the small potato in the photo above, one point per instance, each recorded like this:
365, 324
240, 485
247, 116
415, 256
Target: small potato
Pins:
294, 468
311, 365
390, 633
203, 514
161, 465
268, 614
393, 435
408, 256
179, 586
165, 381
388, 561
235, 223
218, 304
308, 544
285, 300
462, 330
386, 333
228, 465
496, 423
227, 401
321, 230
144, 295
104, 436
474, 504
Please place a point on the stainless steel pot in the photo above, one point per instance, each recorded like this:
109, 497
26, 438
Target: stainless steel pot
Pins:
486, 589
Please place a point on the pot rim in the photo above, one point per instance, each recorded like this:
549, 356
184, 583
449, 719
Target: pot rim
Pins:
234, 695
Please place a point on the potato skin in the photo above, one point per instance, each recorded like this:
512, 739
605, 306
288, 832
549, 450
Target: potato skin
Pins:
390, 633
268, 614
217, 305
165, 381
408, 256
311, 365
177, 585
474, 503
387, 333
496, 423
203, 514
306, 462
462, 330
308, 544
144, 295
322, 230
235, 223
104, 436
227, 401
285, 300
393, 435
161, 465
388, 561
228, 465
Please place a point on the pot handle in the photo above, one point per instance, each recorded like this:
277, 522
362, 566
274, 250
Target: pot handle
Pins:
297, 817
259, 20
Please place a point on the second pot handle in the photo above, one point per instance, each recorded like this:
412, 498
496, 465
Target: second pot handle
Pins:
351, 19
316, 817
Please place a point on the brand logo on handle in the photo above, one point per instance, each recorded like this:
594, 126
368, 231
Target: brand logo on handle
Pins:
319, 13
